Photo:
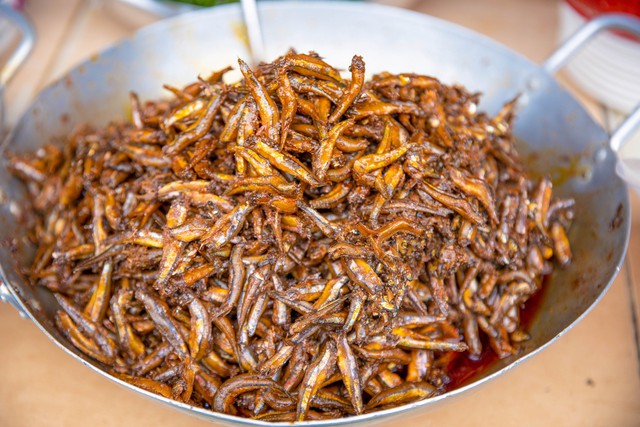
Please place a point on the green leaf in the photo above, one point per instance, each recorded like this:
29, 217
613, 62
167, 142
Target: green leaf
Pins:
206, 2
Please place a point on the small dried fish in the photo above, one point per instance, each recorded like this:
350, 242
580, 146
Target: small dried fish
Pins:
296, 245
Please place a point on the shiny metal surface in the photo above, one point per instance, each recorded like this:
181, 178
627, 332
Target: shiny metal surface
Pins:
559, 138
20, 51
25, 44
254, 30
9, 68
576, 42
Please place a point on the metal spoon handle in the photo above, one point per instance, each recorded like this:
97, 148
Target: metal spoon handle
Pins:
254, 30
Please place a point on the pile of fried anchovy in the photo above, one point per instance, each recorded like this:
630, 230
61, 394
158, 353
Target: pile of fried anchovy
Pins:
296, 245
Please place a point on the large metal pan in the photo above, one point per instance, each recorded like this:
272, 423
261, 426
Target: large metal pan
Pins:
557, 135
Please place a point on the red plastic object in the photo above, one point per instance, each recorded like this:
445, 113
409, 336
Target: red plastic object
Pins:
592, 8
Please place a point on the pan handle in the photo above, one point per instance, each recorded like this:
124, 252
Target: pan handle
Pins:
18, 56
8, 297
627, 169
574, 44
578, 40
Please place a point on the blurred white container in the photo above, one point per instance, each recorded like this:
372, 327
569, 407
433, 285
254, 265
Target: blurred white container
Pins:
608, 68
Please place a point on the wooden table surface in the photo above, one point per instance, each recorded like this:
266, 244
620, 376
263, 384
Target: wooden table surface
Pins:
589, 377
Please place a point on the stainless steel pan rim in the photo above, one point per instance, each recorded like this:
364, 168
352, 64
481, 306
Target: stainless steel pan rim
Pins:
13, 291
